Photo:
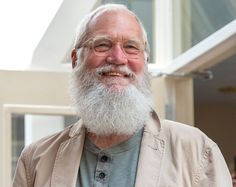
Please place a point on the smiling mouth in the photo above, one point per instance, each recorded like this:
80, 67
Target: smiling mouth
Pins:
116, 74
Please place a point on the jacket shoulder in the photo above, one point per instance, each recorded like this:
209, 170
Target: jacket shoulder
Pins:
47, 142
189, 146
184, 133
54, 140
39, 157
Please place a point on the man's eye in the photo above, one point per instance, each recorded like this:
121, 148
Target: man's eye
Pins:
131, 48
101, 46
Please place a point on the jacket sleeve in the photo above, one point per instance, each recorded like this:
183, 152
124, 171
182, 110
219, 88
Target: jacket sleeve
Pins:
213, 170
21, 177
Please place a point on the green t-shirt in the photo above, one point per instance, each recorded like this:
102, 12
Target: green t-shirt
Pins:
112, 167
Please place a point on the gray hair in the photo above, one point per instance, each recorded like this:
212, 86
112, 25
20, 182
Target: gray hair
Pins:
83, 28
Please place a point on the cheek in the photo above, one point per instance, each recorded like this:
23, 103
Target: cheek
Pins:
92, 61
136, 66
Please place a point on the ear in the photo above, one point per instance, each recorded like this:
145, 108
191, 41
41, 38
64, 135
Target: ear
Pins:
73, 58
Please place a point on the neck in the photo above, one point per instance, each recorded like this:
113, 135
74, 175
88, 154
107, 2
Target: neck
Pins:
106, 141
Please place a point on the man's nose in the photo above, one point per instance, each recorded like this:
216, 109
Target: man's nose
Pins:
117, 55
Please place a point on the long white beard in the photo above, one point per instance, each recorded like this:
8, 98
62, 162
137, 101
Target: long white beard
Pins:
105, 111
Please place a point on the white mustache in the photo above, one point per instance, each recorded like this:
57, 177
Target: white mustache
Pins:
120, 69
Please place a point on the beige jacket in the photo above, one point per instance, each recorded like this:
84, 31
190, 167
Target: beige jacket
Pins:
171, 155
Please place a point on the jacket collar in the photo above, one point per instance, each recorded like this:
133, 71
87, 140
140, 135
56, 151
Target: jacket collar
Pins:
153, 125
76, 129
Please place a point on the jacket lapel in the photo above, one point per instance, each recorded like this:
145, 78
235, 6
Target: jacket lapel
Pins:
150, 157
68, 159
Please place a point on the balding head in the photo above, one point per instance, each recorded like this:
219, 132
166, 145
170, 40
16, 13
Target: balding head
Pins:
84, 29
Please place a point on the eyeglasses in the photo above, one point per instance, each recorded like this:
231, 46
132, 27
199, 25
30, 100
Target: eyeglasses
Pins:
102, 46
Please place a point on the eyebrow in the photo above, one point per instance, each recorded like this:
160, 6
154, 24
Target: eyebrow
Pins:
123, 38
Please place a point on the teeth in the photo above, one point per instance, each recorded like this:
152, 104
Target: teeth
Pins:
113, 74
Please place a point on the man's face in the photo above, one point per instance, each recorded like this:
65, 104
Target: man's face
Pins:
110, 84
121, 28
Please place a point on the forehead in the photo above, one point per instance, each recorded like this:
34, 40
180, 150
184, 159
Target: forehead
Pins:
118, 24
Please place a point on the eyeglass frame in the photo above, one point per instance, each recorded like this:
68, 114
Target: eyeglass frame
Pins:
90, 44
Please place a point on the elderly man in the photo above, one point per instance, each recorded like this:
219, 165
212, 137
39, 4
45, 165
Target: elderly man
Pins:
119, 141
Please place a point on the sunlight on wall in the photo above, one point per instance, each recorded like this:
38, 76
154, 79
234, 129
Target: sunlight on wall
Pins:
23, 23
